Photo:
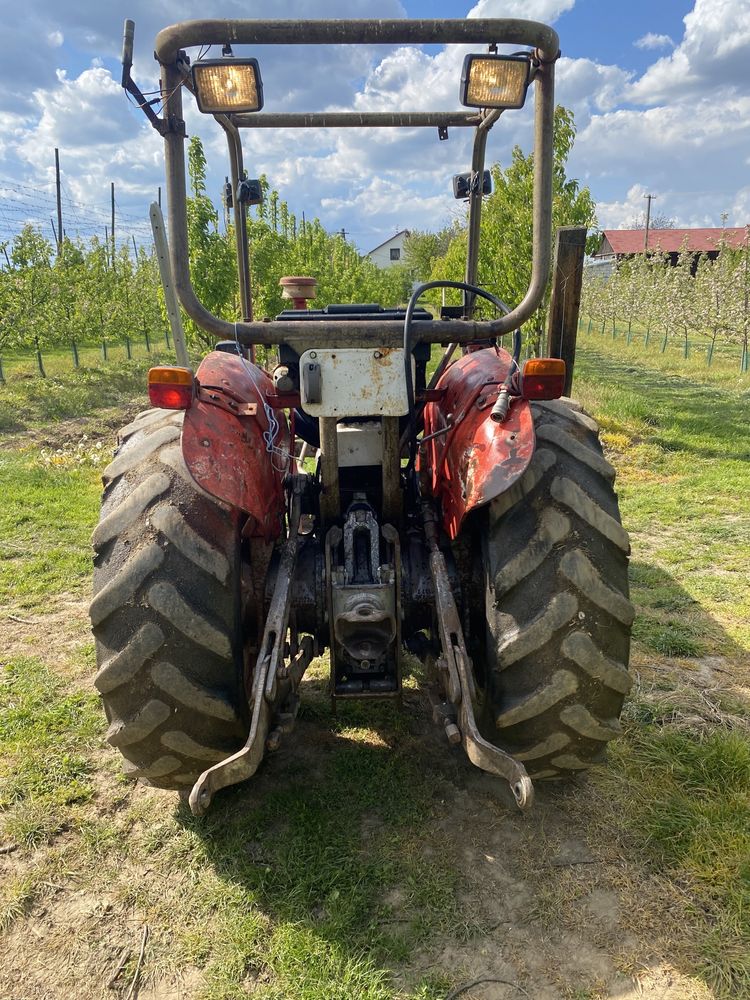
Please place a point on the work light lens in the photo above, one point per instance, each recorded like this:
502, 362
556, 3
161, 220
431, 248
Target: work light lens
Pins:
226, 85
494, 81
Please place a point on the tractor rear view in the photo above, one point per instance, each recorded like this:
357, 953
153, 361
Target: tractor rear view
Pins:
468, 515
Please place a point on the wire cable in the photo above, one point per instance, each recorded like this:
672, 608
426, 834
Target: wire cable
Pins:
408, 318
272, 432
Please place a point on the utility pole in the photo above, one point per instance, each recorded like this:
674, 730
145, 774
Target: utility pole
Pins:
59, 202
649, 198
112, 198
158, 196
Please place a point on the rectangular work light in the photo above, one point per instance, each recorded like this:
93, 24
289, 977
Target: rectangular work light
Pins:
223, 86
492, 81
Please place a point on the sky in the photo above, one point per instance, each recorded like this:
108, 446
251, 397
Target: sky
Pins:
660, 93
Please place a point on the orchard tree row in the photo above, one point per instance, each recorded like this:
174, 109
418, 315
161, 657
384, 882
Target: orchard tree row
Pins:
698, 297
87, 294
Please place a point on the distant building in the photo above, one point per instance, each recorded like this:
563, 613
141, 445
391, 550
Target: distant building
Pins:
619, 244
599, 268
391, 252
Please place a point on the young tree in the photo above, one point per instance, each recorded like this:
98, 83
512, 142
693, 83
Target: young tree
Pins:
422, 249
507, 223
681, 295
212, 261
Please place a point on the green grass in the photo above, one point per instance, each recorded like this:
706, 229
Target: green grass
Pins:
683, 459
682, 774
46, 519
689, 805
333, 867
45, 733
725, 362
30, 401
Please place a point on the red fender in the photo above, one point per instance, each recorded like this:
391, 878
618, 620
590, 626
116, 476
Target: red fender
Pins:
476, 459
225, 451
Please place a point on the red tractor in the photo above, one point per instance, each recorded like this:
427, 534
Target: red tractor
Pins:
468, 516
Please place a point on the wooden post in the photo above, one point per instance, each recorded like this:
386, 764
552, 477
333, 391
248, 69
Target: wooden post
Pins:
567, 276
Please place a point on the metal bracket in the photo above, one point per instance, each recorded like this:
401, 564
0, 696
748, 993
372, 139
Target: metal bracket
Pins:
273, 684
217, 397
460, 683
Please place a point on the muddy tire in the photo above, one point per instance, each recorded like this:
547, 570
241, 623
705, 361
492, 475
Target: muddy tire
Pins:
557, 609
166, 610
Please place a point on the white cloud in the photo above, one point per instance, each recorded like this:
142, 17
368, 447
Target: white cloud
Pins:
714, 53
652, 41
545, 11
620, 214
681, 130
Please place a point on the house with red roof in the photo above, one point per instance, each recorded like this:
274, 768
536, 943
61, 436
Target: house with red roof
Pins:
619, 244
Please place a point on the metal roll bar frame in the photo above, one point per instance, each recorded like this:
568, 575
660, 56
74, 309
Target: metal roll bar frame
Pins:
170, 44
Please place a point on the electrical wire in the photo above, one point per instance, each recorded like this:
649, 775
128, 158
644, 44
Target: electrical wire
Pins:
408, 319
272, 432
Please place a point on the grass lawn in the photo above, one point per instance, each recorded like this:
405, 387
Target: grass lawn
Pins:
366, 861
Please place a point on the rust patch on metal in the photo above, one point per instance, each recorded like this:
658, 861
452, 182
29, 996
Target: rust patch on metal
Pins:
223, 444
475, 459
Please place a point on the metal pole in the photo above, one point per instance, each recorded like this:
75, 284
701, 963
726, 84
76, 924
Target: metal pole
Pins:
379, 333
59, 201
649, 198
475, 206
112, 199
170, 296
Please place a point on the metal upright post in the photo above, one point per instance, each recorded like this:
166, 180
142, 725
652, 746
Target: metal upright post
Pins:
59, 201
170, 296
112, 200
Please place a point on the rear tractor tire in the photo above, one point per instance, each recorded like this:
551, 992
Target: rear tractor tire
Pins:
557, 610
166, 612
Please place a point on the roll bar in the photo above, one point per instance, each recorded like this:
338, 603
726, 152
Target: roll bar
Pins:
169, 51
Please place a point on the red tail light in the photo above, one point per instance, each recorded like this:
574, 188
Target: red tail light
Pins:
171, 388
543, 378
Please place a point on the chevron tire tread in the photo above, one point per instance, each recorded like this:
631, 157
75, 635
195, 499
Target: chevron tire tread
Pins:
558, 613
166, 610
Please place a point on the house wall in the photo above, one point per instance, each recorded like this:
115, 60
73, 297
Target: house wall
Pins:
381, 256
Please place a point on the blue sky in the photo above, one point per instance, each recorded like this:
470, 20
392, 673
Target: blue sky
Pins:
661, 94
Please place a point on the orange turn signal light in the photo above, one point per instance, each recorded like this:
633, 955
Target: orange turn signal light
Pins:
543, 378
170, 387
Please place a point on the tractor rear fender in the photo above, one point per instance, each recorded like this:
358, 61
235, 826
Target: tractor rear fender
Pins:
472, 460
224, 447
